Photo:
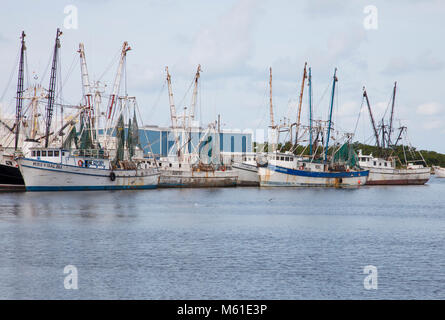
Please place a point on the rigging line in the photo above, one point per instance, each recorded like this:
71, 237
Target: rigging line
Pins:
110, 64
158, 98
387, 106
322, 96
145, 132
358, 118
11, 75
70, 70
46, 69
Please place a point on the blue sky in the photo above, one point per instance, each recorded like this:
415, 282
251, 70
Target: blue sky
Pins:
236, 41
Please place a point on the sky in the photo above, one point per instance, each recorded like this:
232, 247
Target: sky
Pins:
236, 41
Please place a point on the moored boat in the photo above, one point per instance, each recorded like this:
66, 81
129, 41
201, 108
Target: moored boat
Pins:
50, 169
384, 171
439, 172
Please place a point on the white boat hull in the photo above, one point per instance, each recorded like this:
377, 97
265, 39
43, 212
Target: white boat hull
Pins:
273, 176
48, 176
247, 174
382, 176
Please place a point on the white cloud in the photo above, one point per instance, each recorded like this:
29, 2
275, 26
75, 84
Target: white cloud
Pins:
429, 109
226, 45
433, 124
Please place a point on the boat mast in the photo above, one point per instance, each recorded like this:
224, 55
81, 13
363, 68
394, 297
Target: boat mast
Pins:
117, 79
52, 88
300, 103
86, 88
194, 97
272, 123
19, 102
310, 111
392, 113
372, 118
173, 116
330, 115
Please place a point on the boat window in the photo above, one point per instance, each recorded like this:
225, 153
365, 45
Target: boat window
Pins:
287, 158
50, 153
160, 164
386, 164
44, 153
56, 153
170, 165
33, 154
63, 153
282, 158
179, 165
375, 163
38, 153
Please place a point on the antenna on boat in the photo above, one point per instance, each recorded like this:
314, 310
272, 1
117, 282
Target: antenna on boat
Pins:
52, 87
20, 80
330, 114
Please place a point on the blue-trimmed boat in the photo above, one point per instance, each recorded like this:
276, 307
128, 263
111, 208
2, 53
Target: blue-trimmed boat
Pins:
340, 169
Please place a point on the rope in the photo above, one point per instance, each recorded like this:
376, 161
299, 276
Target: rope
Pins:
11, 75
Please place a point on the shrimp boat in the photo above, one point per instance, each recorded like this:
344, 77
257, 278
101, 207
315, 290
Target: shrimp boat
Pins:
88, 166
383, 171
439, 172
340, 170
188, 166
389, 170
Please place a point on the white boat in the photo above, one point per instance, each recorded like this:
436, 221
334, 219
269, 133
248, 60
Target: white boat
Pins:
247, 170
385, 172
284, 170
439, 172
51, 169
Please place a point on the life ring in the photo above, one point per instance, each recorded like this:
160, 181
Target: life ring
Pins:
80, 163
112, 176
223, 168
301, 168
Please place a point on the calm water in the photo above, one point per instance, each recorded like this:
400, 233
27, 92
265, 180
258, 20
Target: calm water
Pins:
243, 243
